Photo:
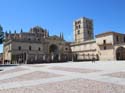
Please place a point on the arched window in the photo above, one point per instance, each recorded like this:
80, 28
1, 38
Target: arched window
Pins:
120, 53
30, 48
38, 39
29, 39
19, 48
39, 49
66, 49
78, 32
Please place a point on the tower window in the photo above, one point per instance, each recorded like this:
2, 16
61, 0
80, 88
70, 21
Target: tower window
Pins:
39, 49
79, 22
30, 48
79, 26
88, 32
76, 27
78, 31
19, 48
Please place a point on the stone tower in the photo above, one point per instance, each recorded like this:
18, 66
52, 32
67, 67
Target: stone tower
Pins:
83, 30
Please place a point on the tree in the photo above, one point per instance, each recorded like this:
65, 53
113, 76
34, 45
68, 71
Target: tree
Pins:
1, 35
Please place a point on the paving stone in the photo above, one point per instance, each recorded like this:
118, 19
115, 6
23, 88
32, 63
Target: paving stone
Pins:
30, 76
117, 74
80, 70
71, 86
12, 70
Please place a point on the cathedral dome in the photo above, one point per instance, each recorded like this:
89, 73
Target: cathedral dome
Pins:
38, 29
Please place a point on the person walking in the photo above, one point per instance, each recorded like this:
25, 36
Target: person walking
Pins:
93, 60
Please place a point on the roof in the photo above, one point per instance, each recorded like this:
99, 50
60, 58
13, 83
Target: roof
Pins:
108, 33
82, 43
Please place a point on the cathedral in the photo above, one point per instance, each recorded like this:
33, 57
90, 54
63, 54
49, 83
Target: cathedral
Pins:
36, 46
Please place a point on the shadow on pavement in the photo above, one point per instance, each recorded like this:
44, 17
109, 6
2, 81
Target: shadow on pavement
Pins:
8, 65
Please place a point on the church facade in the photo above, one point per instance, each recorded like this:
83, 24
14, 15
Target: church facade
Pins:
36, 46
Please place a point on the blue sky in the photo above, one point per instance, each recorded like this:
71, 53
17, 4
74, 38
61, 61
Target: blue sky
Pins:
57, 15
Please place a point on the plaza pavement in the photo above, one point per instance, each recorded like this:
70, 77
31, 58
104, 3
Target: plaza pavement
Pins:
71, 77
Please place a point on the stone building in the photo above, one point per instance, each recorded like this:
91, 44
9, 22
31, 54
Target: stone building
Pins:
35, 46
106, 46
1, 58
111, 46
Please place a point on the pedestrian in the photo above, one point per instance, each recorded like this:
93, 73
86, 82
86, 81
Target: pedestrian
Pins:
93, 60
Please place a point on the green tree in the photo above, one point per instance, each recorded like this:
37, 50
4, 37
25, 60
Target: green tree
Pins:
1, 34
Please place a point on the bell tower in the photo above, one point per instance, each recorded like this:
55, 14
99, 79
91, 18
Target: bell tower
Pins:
83, 30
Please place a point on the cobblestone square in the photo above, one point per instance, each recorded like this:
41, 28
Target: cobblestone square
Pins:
71, 77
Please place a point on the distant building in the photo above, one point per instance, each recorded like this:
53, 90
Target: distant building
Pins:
35, 46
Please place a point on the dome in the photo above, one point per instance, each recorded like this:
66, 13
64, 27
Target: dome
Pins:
37, 29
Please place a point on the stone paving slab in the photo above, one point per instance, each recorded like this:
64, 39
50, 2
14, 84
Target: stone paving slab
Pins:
39, 66
117, 74
69, 69
12, 70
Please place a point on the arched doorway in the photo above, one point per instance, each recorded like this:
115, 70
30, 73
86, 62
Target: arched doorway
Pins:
54, 51
120, 53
